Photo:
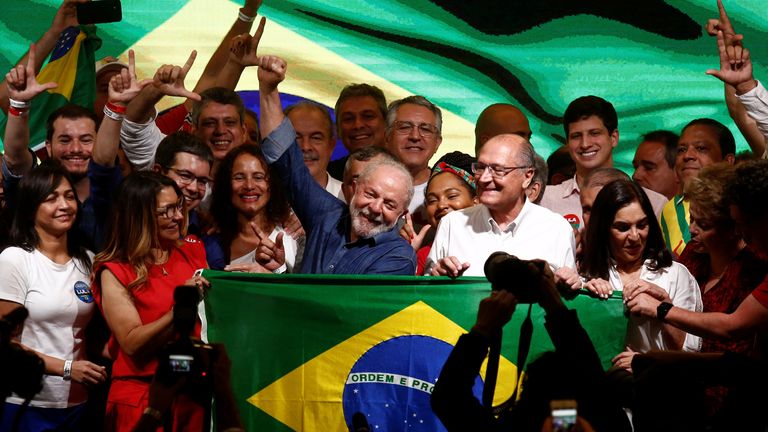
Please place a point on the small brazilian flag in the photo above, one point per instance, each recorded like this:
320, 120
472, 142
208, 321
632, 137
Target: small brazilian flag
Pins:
310, 351
72, 66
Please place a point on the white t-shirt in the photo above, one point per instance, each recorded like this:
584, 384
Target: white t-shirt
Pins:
60, 304
416, 207
334, 187
471, 235
645, 334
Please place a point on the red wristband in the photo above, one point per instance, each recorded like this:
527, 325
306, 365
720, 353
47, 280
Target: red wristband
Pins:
17, 112
116, 108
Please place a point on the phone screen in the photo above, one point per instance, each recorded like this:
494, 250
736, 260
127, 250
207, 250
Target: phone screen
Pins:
180, 363
563, 415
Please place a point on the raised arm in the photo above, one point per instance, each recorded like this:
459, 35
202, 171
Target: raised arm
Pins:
21, 87
65, 17
219, 72
139, 135
168, 81
243, 52
271, 73
123, 87
736, 74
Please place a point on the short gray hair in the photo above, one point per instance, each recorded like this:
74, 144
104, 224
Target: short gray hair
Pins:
415, 100
388, 162
540, 171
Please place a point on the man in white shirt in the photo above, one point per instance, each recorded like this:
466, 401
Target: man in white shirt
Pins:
505, 220
314, 133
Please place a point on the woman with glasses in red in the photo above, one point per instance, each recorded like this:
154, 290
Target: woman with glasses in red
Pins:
147, 256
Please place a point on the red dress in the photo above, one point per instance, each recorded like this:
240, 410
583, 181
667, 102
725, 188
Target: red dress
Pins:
745, 274
129, 391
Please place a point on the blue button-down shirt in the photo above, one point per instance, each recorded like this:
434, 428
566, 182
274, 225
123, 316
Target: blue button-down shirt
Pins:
327, 221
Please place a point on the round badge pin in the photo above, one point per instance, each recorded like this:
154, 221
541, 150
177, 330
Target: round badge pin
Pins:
83, 292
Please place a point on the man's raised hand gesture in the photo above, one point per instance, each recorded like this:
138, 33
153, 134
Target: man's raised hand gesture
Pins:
169, 79
21, 81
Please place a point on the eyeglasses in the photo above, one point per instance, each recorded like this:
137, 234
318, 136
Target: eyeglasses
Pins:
170, 211
405, 127
497, 171
186, 178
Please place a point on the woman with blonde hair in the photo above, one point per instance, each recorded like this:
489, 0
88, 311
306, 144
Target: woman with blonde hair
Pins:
147, 256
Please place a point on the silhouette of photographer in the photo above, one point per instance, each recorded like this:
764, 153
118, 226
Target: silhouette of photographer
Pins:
572, 371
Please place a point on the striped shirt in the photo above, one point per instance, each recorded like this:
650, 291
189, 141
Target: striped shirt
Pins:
674, 220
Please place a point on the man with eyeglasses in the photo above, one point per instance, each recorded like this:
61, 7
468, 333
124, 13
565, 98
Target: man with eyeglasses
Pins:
591, 128
505, 220
185, 159
414, 127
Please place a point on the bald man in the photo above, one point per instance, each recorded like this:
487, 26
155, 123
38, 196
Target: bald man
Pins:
498, 119
505, 220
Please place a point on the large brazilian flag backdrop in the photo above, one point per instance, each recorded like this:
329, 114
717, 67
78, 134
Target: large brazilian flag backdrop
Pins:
308, 352
646, 56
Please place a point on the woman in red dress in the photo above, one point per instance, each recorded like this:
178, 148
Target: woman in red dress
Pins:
146, 257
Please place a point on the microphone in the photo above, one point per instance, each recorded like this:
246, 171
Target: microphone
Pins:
359, 423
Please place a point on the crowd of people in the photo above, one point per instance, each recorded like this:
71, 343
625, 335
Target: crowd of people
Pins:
126, 204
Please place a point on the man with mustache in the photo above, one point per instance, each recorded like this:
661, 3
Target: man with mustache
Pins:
314, 133
358, 238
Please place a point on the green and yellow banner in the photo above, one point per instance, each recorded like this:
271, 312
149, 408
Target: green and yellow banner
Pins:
648, 57
308, 352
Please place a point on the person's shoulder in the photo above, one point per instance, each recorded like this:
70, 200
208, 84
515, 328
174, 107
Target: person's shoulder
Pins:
466, 214
192, 245
544, 216
14, 251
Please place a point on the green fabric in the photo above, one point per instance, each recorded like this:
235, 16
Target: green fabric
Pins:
272, 324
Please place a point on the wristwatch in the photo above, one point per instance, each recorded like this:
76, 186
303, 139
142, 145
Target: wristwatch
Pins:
662, 310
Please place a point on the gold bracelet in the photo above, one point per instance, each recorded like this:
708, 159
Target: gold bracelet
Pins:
155, 414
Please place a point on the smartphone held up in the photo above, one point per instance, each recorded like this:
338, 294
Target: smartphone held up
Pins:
99, 11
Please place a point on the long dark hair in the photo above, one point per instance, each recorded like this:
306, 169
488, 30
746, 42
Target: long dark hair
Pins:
613, 197
33, 189
222, 210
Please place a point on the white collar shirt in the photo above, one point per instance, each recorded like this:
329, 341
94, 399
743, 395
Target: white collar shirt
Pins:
472, 235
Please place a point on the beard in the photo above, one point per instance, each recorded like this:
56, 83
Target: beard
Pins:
365, 224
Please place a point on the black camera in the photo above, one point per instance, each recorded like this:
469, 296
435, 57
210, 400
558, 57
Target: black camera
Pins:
186, 357
520, 277
23, 369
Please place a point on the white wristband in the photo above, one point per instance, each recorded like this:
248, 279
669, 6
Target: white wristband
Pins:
113, 115
67, 370
245, 18
19, 104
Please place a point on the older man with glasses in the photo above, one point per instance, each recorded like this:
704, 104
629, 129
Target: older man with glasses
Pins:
505, 220
413, 136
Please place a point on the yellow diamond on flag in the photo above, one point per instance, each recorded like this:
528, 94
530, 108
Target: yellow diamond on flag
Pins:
312, 396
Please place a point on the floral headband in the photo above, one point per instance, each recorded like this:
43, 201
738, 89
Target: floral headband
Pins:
463, 174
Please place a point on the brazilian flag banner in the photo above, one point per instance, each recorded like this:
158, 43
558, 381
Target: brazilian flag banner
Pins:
310, 351
72, 67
